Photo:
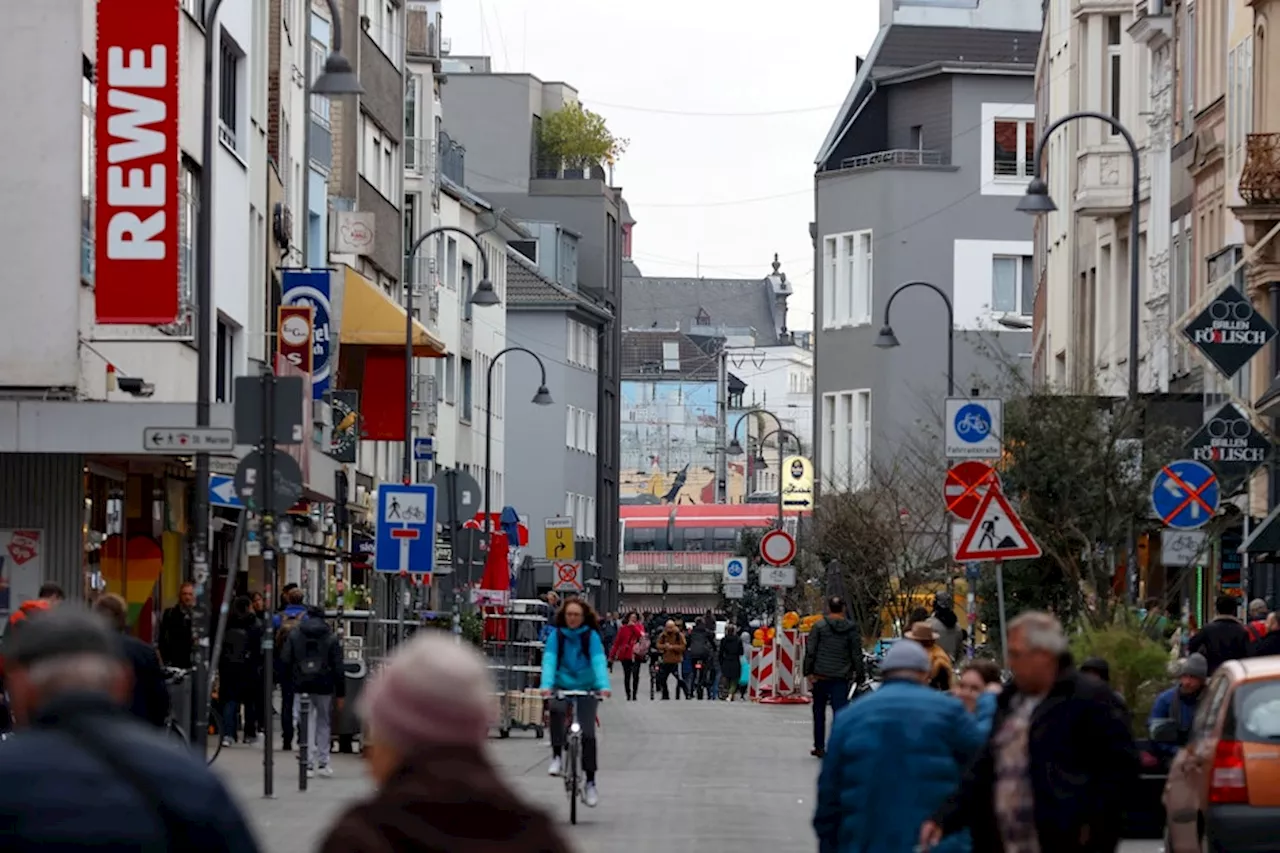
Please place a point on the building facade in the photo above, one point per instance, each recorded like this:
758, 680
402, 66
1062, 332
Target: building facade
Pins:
917, 182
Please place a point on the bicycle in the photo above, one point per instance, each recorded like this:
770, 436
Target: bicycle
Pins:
655, 666
701, 679
973, 423
573, 749
174, 679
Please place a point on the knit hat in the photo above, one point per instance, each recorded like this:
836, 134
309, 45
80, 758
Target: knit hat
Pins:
434, 690
905, 655
1196, 666
1097, 666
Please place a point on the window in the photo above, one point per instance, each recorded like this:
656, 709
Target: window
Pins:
1239, 106
1014, 149
590, 446
229, 94
1012, 285
451, 265
464, 379
570, 427
1180, 287
580, 345
847, 284
1189, 69
319, 52
412, 94
195, 8
671, 356
378, 158
1113, 69
188, 222
88, 103
384, 28
449, 380
846, 439
468, 277
224, 369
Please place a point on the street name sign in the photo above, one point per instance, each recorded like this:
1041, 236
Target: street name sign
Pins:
180, 440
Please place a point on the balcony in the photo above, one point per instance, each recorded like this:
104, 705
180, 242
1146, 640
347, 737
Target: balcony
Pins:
420, 157
895, 157
1260, 177
1103, 182
422, 35
555, 168
452, 159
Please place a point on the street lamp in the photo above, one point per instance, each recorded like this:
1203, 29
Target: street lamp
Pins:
1015, 322
888, 340
541, 398
735, 448
1037, 201
337, 80
477, 298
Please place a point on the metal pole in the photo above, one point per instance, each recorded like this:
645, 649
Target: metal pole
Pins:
780, 457
951, 326
228, 593
268, 570
451, 477
722, 423
1004, 625
488, 431
306, 139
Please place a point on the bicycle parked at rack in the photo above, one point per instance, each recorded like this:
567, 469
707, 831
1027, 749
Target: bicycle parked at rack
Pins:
573, 748
175, 680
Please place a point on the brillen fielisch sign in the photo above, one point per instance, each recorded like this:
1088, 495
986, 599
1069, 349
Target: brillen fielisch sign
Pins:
1229, 331
1231, 445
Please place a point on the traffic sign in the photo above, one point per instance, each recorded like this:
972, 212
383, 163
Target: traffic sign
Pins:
222, 491
285, 487
568, 575
1232, 445
735, 570
188, 440
558, 532
1185, 494
965, 485
735, 590
777, 548
1229, 331
405, 538
423, 449
996, 532
784, 576
973, 428
455, 486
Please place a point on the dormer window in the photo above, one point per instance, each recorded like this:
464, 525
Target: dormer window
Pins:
704, 319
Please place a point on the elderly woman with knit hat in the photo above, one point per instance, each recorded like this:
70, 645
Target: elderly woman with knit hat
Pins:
428, 714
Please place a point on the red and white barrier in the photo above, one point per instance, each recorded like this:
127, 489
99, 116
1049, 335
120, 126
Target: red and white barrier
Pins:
785, 655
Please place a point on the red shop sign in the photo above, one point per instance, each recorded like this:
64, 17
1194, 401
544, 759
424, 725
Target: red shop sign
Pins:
136, 137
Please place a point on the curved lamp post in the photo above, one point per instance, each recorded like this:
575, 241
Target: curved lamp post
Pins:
1037, 201
888, 340
484, 295
337, 79
541, 398
735, 447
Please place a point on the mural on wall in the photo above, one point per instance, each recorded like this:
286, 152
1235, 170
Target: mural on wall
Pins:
668, 444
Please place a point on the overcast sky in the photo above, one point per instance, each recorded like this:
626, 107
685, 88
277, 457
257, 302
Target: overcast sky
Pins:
724, 190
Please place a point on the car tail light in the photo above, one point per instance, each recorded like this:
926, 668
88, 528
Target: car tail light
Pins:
1227, 783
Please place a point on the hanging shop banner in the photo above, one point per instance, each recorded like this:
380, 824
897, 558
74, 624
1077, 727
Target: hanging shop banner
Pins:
315, 288
1229, 331
346, 425
797, 484
294, 335
1231, 445
136, 136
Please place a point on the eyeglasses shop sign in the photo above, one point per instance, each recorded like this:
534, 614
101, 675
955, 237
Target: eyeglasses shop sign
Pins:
1229, 331
1231, 445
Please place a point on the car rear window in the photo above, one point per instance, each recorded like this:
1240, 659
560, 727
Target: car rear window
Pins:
1255, 712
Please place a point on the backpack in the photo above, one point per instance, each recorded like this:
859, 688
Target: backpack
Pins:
287, 624
314, 659
584, 638
641, 648
1257, 630
235, 646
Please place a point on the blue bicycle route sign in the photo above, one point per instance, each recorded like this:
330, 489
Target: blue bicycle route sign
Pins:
1185, 494
973, 428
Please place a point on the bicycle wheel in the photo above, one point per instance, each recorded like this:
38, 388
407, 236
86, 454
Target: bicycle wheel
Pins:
572, 759
213, 745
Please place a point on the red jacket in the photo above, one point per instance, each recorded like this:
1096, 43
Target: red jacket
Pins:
625, 643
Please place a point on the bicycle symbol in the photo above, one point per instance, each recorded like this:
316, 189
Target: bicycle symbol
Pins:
973, 423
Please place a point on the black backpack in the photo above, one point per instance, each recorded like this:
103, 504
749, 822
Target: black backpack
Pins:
313, 661
236, 646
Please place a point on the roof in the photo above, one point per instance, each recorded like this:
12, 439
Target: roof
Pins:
899, 47
682, 303
642, 355
527, 286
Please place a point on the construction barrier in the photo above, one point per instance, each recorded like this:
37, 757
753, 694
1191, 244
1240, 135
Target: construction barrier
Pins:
786, 670
760, 672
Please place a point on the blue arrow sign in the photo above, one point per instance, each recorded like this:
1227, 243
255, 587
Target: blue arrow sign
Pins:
222, 492
423, 449
405, 540
1185, 494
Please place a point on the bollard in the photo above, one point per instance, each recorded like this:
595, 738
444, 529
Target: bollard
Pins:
305, 737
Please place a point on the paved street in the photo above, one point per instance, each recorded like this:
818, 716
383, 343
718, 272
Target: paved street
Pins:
675, 776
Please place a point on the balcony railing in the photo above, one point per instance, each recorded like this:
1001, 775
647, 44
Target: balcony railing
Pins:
420, 156
1260, 177
453, 158
895, 157
675, 561
555, 168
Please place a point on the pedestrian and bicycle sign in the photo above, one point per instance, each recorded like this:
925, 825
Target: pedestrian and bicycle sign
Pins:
405, 539
965, 486
1185, 494
973, 428
735, 570
996, 532
568, 575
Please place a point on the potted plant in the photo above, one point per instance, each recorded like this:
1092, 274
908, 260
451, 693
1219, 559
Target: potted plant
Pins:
574, 139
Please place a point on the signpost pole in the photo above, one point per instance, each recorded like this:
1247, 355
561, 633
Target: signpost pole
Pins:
1004, 625
269, 572
777, 640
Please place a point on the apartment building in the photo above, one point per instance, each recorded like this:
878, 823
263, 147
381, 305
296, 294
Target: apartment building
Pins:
917, 180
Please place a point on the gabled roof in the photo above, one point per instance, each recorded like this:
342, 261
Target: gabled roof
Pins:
642, 356
718, 303
527, 287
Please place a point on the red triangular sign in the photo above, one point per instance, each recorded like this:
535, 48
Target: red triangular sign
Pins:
996, 532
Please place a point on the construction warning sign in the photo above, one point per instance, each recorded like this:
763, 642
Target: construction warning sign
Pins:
996, 532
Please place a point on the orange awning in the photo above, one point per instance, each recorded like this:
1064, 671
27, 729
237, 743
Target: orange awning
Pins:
371, 318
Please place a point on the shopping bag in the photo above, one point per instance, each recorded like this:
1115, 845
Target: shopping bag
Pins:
744, 678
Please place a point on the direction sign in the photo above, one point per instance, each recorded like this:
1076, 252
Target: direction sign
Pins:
973, 428
405, 538
965, 485
1232, 445
558, 532
1229, 331
568, 575
735, 570
423, 449
222, 491
286, 485
783, 576
1185, 494
181, 440
996, 532
777, 548
735, 590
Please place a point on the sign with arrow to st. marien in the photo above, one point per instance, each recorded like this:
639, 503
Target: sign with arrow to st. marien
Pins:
1231, 445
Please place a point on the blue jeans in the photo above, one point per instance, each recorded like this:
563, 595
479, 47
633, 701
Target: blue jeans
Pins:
827, 691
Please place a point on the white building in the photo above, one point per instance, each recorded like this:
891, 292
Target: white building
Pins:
779, 378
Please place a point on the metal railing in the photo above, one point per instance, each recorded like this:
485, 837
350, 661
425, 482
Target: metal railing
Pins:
895, 157
420, 156
557, 168
674, 561
1260, 177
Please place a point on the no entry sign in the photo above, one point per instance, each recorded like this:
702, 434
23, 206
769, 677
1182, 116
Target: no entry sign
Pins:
965, 486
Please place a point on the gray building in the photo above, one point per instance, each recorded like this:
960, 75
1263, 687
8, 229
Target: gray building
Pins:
496, 118
552, 457
917, 180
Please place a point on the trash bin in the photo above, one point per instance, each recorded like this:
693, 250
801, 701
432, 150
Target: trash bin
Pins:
346, 728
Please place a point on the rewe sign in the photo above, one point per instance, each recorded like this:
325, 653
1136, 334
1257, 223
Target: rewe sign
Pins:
136, 137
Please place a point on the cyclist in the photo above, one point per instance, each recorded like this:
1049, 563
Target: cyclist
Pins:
702, 650
574, 659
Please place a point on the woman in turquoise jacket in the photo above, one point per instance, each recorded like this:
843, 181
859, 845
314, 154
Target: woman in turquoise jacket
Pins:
574, 659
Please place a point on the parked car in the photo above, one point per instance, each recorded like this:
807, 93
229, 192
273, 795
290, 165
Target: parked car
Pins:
1223, 791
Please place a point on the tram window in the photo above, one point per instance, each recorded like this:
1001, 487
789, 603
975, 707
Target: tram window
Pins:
642, 539
724, 539
695, 538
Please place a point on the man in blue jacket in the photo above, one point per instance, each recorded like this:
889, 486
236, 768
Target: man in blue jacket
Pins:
1179, 702
893, 758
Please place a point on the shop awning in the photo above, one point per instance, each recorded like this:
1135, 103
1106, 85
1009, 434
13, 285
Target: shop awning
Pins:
1265, 538
371, 318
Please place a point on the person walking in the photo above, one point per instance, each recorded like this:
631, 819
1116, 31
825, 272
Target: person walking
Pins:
239, 670
312, 656
176, 643
85, 774
894, 757
1269, 642
671, 644
730, 663
609, 628
283, 624
574, 659
832, 663
631, 647
149, 699
1056, 771
946, 625
1098, 668
1257, 622
1179, 702
942, 671
1224, 638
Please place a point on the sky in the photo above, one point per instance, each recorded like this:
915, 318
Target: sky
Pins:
724, 105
